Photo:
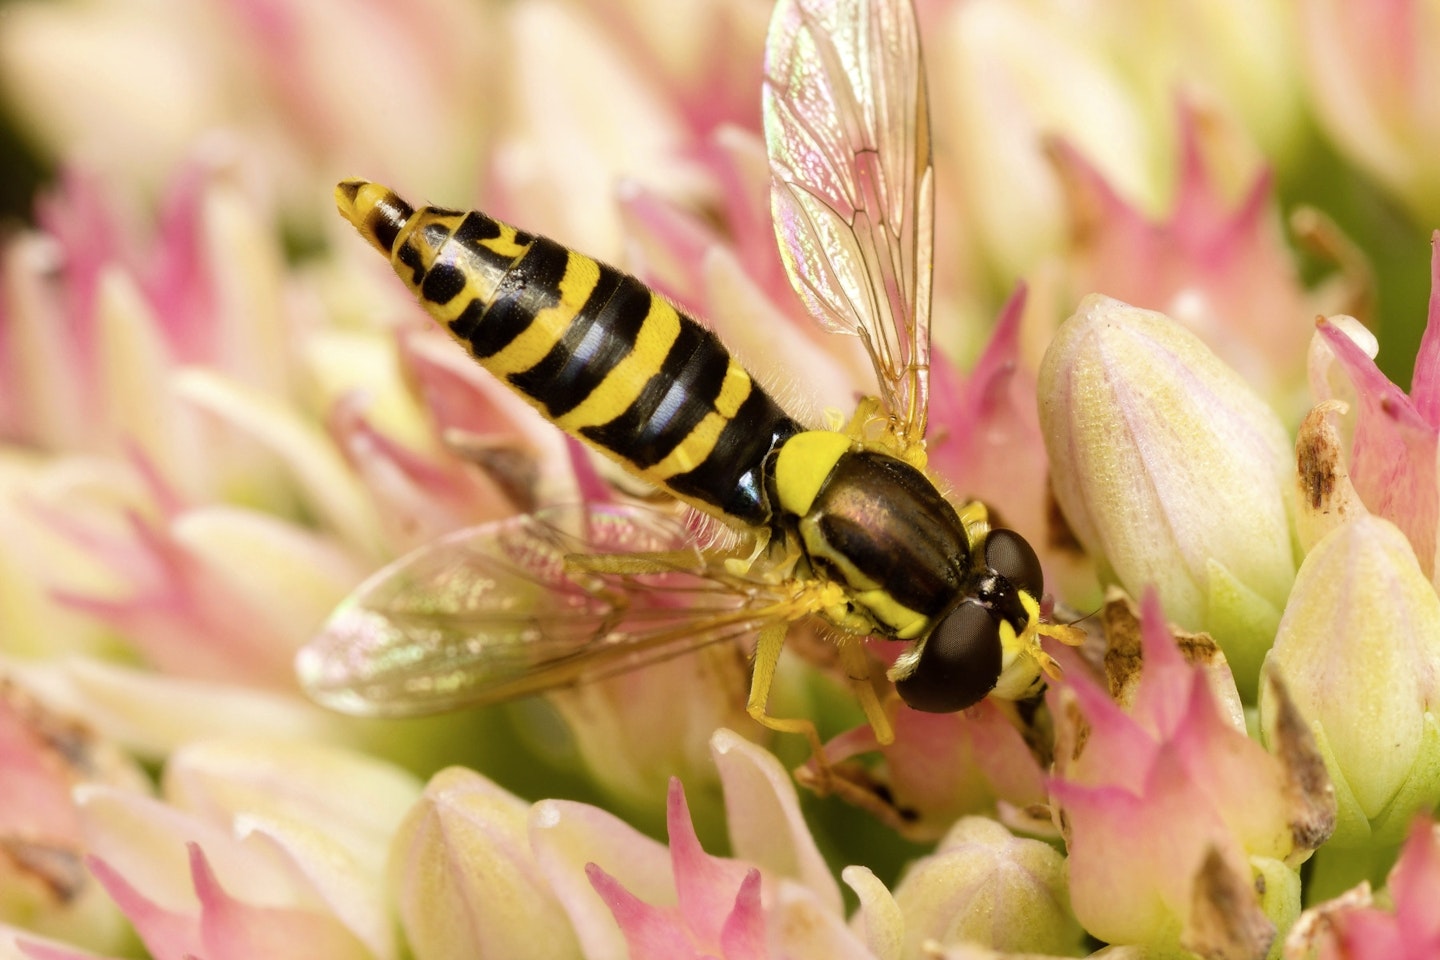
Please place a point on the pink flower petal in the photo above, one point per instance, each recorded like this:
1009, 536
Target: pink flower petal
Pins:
1119, 751
419, 499
743, 936
705, 885
986, 430
1214, 266
651, 933
1425, 384
165, 933
1414, 885
231, 929
565, 836
1393, 455
1166, 679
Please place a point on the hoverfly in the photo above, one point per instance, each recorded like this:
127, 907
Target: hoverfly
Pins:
841, 524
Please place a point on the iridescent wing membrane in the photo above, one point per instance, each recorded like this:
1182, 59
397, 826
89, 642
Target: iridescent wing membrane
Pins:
847, 129
506, 609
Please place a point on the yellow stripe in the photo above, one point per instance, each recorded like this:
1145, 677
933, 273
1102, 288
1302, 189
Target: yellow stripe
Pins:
550, 324
505, 245
695, 448
620, 388
733, 391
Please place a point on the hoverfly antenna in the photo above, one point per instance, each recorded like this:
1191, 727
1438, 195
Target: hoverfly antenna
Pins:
1079, 620
375, 211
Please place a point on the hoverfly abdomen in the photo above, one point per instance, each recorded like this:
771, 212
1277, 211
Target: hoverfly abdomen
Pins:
592, 348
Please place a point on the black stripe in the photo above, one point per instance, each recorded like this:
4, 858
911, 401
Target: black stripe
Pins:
602, 335
463, 326
672, 403
732, 477
475, 229
530, 285
443, 283
410, 257
387, 218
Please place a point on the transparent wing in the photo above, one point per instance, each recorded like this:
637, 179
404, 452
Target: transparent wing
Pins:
847, 128
515, 607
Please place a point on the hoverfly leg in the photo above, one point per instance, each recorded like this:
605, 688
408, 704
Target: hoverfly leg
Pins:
767, 656
857, 667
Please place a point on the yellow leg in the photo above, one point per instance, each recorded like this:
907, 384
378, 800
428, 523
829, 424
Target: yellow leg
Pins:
767, 656
857, 668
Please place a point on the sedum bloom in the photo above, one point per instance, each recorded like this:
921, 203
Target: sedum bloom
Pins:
1008, 77
1172, 472
465, 879
130, 86
44, 757
259, 848
477, 875
1218, 266
1391, 465
1359, 648
1370, 74
1180, 829
983, 886
1356, 927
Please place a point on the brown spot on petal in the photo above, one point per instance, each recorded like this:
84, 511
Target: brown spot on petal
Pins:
1309, 792
1318, 460
1124, 662
1226, 920
59, 871
72, 744
1327, 497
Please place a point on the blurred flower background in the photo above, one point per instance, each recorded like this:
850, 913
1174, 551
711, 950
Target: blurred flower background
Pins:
219, 413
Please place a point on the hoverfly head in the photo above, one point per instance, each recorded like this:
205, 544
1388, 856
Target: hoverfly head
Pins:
960, 660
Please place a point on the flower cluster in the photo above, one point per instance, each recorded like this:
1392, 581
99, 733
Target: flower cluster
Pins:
219, 414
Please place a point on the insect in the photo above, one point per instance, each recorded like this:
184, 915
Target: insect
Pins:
841, 524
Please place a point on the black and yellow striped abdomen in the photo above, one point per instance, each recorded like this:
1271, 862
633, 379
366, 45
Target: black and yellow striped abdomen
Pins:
594, 349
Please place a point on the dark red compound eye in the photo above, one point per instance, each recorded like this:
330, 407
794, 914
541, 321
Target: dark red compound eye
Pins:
1011, 556
959, 662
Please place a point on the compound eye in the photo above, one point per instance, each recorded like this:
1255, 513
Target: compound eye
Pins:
1008, 554
959, 664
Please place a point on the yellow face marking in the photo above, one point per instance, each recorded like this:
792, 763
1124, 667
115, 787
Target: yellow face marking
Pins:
550, 324
623, 384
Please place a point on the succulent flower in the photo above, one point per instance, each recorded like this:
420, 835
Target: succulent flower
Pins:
1171, 472
1391, 463
1367, 77
1356, 927
984, 886
1227, 823
1359, 648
